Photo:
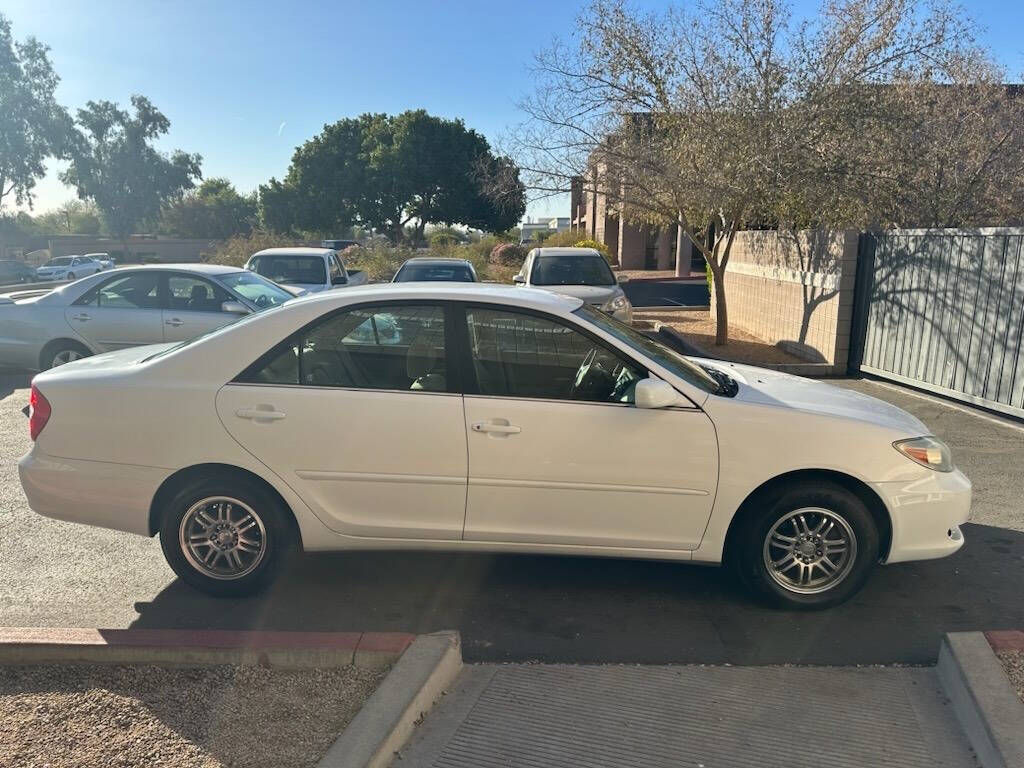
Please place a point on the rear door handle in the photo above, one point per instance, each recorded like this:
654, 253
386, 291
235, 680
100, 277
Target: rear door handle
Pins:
260, 414
496, 428
82, 317
175, 321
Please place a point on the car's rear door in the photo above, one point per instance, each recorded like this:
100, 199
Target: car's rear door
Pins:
122, 311
359, 413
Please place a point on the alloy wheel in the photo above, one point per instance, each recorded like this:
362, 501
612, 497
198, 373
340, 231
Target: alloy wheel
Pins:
66, 356
222, 537
810, 550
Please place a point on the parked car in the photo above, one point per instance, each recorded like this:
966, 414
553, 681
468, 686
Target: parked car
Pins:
311, 269
125, 308
12, 271
435, 270
106, 262
68, 268
579, 272
490, 419
339, 245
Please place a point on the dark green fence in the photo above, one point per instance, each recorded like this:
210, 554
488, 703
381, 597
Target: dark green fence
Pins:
944, 310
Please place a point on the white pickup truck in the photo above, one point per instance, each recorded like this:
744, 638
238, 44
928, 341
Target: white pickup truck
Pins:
310, 269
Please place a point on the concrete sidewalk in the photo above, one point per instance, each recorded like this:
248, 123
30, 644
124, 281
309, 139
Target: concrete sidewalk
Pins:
703, 717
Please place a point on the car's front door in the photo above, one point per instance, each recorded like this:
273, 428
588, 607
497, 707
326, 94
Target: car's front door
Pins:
192, 306
122, 311
558, 453
359, 414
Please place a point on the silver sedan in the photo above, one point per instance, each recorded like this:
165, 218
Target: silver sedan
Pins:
126, 307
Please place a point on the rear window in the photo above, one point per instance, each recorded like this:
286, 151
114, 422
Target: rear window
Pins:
451, 273
286, 269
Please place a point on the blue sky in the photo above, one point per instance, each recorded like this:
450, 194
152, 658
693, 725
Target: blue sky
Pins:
243, 83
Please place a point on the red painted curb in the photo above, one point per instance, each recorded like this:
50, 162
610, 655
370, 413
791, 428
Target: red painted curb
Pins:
1005, 639
203, 638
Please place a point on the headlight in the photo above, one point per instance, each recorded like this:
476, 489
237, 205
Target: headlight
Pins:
928, 452
615, 303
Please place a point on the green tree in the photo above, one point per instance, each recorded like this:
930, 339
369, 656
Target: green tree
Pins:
75, 217
214, 210
114, 164
389, 173
33, 126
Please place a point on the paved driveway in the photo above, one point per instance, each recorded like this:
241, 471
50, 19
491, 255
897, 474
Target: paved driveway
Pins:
558, 609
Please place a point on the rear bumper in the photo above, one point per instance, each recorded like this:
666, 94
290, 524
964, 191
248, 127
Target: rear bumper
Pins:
926, 515
98, 493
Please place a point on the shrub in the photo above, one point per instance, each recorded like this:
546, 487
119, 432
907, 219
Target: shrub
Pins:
235, 251
441, 239
710, 277
507, 255
566, 239
378, 260
599, 247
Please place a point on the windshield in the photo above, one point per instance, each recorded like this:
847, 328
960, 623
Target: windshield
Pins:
61, 261
572, 270
412, 272
291, 269
659, 353
255, 288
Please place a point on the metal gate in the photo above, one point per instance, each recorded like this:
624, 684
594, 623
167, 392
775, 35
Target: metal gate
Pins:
943, 310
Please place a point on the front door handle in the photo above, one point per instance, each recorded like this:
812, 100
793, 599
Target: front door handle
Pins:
264, 413
496, 428
175, 321
83, 318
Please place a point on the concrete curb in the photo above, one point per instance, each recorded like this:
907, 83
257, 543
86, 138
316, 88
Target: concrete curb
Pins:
286, 650
387, 719
984, 701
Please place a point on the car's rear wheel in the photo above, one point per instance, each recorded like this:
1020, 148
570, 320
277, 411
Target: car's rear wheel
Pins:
61, 352
71, 276
812, 545
226, 537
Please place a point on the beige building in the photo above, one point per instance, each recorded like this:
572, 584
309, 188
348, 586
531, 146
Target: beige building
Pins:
637, 246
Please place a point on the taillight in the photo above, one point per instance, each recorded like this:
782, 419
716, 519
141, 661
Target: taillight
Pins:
38, 413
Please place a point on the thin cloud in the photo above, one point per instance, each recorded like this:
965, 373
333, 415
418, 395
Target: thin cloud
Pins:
281, 127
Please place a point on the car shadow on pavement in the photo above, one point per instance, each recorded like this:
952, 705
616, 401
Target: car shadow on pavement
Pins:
574, 609
12, 380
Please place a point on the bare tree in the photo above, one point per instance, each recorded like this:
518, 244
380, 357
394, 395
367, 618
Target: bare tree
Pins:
728, 115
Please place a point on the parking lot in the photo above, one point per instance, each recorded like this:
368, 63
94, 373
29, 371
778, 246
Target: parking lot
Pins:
548, 608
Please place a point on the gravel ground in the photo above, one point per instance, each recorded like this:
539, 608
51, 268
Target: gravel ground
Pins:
698, 327
1013, 663
199, 717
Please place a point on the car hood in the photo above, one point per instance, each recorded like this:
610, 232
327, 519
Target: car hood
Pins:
591, 294
774, 388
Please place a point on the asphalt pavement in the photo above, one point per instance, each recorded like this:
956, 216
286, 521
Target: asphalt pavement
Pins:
554, 609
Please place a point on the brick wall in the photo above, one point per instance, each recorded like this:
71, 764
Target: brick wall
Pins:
795, 290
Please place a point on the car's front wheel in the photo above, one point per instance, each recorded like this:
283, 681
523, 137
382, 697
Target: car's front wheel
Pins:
227, 537
812, 545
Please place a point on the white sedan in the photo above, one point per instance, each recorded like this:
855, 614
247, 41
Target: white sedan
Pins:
68, 268
486, 418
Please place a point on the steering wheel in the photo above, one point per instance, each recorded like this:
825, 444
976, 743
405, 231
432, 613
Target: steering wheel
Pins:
585, 371
262, 300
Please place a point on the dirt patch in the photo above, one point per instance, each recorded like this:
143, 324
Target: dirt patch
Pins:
1013, 663
200, 717
699, 328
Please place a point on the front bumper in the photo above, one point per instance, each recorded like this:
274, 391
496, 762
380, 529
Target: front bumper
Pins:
926, 515
98, 493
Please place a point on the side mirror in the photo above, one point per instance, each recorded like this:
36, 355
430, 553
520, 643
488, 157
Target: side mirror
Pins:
234, 308
519, 280
655, 393
339, 280
622, 279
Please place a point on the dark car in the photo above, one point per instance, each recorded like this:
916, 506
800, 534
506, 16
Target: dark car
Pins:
16, 272
338, 245
436, 270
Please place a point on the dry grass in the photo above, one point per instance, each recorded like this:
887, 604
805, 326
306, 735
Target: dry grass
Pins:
199, 717
1013, 664
699, 328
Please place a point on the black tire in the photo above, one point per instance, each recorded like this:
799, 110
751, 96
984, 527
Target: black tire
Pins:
71, 276
748, 550
53, 350
277, 536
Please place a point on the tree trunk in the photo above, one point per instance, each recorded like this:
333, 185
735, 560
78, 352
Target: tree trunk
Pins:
682, 252
124, 250
721, 310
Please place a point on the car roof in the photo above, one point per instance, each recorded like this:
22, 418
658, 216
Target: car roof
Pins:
296, 251
438, 260
528, 298
203, 269
567, 252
